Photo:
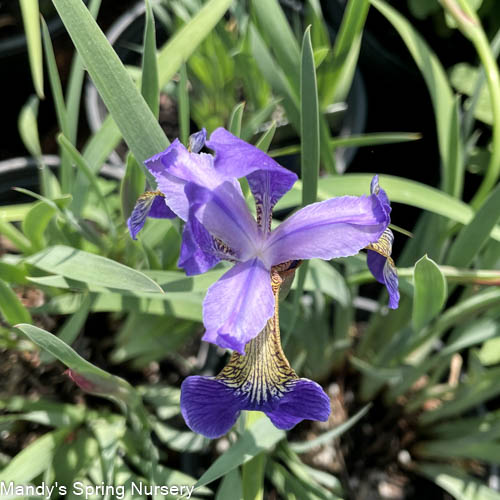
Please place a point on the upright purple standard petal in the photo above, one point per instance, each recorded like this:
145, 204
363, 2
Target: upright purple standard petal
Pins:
238, 305
267, 179
338, 227
197, 141
174, 168
150, 204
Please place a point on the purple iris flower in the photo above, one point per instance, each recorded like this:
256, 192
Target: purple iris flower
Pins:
240, 310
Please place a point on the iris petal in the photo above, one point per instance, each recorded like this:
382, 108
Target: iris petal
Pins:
174, 168
150, 204
261, 380
224, 213
338, 227
238, 305
198, 249
267, 179
382, 266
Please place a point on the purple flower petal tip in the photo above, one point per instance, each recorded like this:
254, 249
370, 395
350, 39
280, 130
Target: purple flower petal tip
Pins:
210, 406
197, 141
306, 400
150, 204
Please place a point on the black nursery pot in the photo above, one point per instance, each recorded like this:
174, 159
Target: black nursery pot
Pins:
126, 34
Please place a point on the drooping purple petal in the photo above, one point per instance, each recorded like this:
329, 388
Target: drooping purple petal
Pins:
238, 305
209, 406
174, 168
224, 213
267, 179
338, 227
382, 266
150, 204
305, 400
197, 141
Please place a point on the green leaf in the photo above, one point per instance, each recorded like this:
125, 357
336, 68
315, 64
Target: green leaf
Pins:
31, 20
468, 447
75, 85
442, 97
338, 69
430, 292
170, 58
266, 138
33, 460
15, 236
11, 307
309, 123
274, 25
261, 436
474, 391
93, 269
464, 77
230, 487
473, 237
150, 84
71, 327
89, 376
310, 143
13, 273
398, 190
83, 166
132, 185
35, 223
235, 119
183, 103
45, 412
66, 172
331, 434
456, 482
356, 141
135, 120
27, 125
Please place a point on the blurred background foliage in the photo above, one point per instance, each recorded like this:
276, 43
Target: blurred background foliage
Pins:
409, 90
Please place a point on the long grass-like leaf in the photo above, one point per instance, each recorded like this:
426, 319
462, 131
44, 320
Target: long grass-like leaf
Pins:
135, 120
149, 82
82, 165
442, 99
11, 306
274, 25
31, 20
336, 74
472, 237
183, 102
66, 174
235, 119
